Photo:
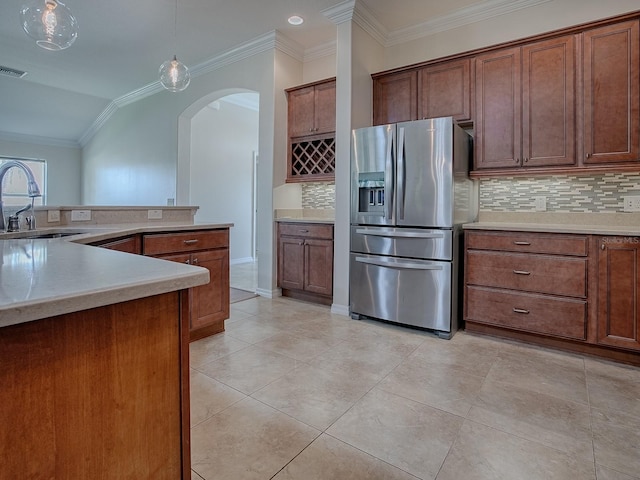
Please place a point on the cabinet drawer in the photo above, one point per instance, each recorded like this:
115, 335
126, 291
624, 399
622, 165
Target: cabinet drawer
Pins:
562, 317
531, 273
528, 242
306, 230
158, 244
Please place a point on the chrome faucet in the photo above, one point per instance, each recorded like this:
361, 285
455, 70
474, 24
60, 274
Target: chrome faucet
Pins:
33, 191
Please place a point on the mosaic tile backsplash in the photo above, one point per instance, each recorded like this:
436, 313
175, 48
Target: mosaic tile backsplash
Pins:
567, 193
319, 195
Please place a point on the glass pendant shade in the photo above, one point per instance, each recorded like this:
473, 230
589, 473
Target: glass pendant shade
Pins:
50, 23
174, 75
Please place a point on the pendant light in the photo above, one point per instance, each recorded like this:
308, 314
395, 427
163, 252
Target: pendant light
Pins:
174, 75
50, 23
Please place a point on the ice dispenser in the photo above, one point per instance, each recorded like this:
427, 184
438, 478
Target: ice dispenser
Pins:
371, 192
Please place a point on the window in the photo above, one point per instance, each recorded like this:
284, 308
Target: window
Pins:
14, 184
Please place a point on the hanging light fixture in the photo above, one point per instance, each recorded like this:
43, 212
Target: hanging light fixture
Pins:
174, 75
50, 23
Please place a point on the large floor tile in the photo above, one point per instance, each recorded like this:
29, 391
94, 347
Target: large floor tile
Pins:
470, 359
195, 476
329, 458
604, 473
298, 347
314, 396
250, 369
483, 453
389, 339
208, 397
439, 386
555, 422
406, 434
211, 348
552, 373
616, 441
247, 441
613, 387
252, 330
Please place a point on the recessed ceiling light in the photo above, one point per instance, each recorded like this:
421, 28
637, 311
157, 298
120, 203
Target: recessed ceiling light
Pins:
295, 20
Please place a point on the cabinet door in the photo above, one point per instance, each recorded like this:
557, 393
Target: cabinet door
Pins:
301, 111
498, 110
210, 302
618, 290
291, 263
325, 107
395, 98
445, 90
612, 94
548, 103
318, 258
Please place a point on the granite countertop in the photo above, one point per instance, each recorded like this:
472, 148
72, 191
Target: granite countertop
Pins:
41, 278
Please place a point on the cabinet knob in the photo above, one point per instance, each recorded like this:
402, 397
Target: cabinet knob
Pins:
517, 160
195, 261
187, 262
602, 247
588, 155
526, 159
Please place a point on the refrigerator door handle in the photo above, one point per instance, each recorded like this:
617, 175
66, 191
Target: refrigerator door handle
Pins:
389, 179
398, 233
401, 173
380, 262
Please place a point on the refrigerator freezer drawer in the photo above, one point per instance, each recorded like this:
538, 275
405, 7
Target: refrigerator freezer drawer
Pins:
402, 242
409, 292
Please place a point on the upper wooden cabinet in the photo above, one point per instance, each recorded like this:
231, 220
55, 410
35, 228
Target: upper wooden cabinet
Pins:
311, 127
525, 106
612, 94
395, 98
312, 109
444, 90
440, 90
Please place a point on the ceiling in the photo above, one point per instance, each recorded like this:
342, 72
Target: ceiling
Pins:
121, 44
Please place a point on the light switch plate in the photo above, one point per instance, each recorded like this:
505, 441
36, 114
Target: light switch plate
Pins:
53, 216
154, 214
80, 215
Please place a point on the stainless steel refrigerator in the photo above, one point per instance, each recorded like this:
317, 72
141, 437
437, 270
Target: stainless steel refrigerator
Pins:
410, 194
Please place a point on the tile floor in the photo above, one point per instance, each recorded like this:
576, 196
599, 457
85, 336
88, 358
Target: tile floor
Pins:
291, 391
244, 276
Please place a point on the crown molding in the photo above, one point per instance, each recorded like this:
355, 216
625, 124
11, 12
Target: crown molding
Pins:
464, 16
34, 139
341, 13
324, 50
366, 20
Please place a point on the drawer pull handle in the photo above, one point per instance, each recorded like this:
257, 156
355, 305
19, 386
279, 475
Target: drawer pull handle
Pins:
521, 272
190, 242
520, 310
304, 231
522, 243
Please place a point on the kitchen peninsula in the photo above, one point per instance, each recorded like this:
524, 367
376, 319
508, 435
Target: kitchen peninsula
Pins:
94, 348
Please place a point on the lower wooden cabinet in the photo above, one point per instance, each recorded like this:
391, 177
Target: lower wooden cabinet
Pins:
305, 261
618, 290
209, 304
577, 292
128, 244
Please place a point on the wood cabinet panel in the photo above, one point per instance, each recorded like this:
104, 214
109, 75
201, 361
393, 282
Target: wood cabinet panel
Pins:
302, 111
498, 109
291, 263
548, 103
83, 394
130, 244
325, 107
612, 94
306, 230
165, 243
528, 272
444, 90
618, 292
528, 242
395, 98
319, 266
529, 312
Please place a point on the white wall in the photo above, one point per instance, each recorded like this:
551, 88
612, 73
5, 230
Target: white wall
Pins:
63, 168
223, 143
542, 18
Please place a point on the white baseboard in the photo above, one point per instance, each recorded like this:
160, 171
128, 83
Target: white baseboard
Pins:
237, 261
340, 309
269, 293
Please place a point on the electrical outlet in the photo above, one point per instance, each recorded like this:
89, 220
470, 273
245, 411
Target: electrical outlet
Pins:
171, 202
154, 214
80, 215
540, 204
631, 204
53, 215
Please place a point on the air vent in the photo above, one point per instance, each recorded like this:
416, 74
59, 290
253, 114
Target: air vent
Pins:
11, 72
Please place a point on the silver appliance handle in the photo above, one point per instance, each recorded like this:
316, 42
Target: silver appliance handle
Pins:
389, 177
397, 233
398, 264
402, 174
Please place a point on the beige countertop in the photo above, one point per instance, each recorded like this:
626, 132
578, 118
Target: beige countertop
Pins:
305, 215
41, 278
579, 223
